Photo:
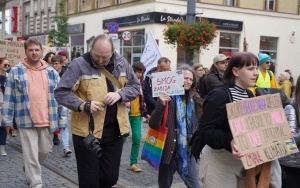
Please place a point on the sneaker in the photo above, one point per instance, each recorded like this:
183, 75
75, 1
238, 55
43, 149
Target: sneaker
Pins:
2, 150
14, 133
114, 186
67, 152
135, 168
56, 140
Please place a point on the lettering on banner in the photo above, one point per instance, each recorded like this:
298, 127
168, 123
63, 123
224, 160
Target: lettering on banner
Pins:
260, 129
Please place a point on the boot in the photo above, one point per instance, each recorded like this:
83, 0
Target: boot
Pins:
2, 150
56, 140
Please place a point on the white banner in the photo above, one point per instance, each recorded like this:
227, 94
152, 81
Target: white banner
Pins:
151, 53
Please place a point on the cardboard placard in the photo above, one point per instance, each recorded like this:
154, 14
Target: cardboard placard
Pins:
170, 82
260, 129
13, 51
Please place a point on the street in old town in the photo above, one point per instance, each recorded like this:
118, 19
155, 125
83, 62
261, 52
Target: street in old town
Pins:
60, 172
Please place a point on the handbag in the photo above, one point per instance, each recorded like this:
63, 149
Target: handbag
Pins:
264, 91
155, 142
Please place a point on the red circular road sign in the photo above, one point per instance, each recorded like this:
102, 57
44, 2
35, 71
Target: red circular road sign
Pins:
113, 27
127, 35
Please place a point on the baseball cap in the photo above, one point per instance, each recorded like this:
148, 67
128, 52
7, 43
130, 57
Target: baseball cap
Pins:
220, 57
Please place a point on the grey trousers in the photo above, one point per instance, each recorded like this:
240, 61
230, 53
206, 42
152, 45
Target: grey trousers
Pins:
166, 172
36, 144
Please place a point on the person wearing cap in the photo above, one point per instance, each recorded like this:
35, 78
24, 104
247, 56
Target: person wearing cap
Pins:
286, 85
215, 75
266, 78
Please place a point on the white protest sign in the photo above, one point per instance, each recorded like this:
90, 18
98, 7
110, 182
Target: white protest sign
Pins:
260, 129
170, 82
151, 53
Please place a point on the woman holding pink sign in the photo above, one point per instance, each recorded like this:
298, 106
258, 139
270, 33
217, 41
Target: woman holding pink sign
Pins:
220, 160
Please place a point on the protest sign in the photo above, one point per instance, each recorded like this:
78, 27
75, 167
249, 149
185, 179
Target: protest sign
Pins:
260, 129
151, 53
12, 50
170, 82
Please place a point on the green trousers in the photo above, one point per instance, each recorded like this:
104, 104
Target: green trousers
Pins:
136, 128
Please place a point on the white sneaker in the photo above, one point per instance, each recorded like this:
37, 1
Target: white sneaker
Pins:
2, 150
67, 152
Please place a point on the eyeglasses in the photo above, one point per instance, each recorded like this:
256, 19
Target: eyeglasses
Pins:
6, 65
268, 62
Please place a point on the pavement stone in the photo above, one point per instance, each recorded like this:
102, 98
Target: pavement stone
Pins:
12, 176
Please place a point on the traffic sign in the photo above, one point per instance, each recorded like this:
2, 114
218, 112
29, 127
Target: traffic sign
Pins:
113, 36
112, 27
127, 35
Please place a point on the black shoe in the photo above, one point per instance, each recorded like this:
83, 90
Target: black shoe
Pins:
56, 141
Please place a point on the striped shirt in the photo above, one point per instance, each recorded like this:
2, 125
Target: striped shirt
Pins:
238, 93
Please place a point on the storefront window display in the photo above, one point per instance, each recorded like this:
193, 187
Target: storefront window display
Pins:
229, 43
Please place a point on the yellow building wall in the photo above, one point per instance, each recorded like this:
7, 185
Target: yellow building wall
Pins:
219, 2
287, 6
72, 7
256, 4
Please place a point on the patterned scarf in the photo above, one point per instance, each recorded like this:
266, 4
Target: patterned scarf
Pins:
184, 118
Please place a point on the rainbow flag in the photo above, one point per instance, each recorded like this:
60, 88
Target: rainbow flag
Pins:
154, 145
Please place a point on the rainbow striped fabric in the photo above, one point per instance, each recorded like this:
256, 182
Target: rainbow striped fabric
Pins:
154, 145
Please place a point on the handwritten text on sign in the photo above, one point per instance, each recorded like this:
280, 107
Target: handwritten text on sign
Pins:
260, 129
170, 82
13, 51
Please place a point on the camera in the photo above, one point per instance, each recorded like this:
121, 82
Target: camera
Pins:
93, 144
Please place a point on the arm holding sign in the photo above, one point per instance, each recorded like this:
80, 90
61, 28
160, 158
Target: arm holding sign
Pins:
213, 126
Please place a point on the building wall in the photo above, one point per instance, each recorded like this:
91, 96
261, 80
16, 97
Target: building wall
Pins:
288, 7
38, 17
257, 23
219, 2
257, 4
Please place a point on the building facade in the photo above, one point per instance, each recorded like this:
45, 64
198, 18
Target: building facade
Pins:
270, 26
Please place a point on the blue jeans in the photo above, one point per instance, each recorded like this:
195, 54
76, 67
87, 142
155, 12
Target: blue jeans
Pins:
65, 138
3, 136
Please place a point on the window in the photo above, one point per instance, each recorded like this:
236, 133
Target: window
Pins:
132, 50
270, 5
268, 45
229, 2
229, 43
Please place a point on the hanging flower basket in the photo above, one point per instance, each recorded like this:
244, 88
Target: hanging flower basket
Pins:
191, 38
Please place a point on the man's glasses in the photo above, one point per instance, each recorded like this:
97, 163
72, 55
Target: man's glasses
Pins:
6, 65
268, 62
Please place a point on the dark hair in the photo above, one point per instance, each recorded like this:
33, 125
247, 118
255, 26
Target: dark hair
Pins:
2, 59
138, 66
163, 59
103, 37
48, 55
238, 60
57, 58
32, 41
189, 68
